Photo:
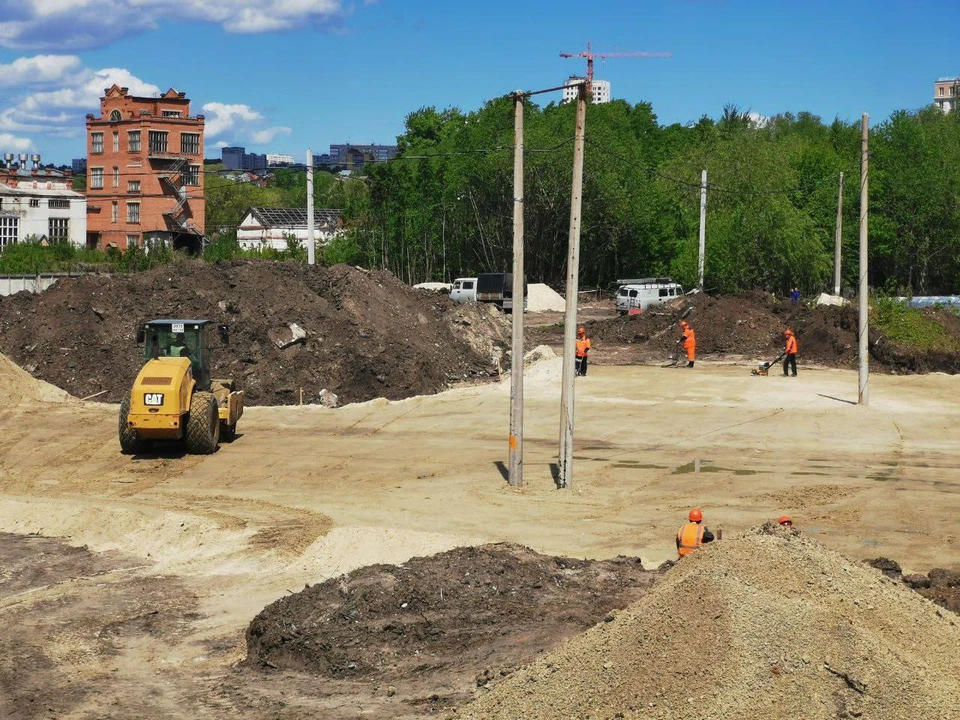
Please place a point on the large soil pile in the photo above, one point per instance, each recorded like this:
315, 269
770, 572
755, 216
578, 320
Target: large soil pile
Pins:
453, 615
751, 325
368, 335
763, 626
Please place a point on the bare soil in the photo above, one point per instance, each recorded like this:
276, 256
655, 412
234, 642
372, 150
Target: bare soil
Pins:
368, 334
762, 626
751, 325
382, 641
461, 617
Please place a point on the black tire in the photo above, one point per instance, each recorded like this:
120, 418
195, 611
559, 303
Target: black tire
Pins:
203, 424
130, 442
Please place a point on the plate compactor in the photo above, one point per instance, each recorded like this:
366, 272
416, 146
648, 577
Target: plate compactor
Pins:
173, 397
764, 367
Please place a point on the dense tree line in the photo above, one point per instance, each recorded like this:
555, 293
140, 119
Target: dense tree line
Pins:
771, 206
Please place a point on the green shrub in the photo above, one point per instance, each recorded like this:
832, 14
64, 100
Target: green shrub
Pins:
911, 327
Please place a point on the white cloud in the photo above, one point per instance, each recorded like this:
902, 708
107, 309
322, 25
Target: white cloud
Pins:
221, 118
84, 24
238, 124
758, 120
14, 144
264, 137
58, 110
87, 88
40, 69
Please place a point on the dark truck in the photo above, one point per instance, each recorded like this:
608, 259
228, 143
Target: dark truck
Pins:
497, 288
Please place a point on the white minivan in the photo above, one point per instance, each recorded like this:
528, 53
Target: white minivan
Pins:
643, 293
464, 290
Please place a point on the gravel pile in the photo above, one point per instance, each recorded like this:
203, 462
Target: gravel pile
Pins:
761, 626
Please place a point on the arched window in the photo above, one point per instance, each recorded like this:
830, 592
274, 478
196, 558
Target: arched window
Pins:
115, 116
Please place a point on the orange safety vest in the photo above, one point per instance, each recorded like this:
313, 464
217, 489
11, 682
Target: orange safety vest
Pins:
690, 537
582, 347
791, 345
689, 339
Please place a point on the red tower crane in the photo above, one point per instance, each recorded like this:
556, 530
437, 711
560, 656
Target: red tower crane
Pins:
590, 55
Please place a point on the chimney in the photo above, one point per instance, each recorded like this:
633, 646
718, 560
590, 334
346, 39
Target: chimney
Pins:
36, 161
23, 161
8, 160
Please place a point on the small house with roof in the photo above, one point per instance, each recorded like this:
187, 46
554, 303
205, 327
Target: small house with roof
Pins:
270, 227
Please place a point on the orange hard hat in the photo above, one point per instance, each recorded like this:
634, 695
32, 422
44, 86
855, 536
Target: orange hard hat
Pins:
696, 515
683, 323
785, 520
788, 331
581, 331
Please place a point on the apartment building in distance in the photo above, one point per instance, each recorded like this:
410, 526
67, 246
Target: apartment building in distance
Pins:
945, 93
601, 90
145, 172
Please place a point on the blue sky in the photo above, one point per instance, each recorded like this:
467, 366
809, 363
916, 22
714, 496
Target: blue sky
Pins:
280, 75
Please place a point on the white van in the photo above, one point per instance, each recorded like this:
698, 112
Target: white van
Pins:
645, 292
464, 290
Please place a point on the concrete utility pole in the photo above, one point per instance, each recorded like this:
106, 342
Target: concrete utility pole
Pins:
516, 362
703, 225
863, 330
573, 286
311, 259
839, 241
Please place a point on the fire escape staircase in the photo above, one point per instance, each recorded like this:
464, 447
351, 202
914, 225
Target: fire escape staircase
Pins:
174, 179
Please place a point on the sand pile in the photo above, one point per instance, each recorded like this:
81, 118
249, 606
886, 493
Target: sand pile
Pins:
765, 625
543, 298
16, 387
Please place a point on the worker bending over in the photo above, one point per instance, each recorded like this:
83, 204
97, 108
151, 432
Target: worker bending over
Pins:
790, 352
693, 534
689, 340
583, 347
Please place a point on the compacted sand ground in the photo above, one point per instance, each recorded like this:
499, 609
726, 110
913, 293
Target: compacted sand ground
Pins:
200, 545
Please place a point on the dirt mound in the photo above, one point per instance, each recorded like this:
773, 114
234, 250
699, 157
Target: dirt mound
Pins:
940, 585
764, 625
480, 609
752, 324
367, 334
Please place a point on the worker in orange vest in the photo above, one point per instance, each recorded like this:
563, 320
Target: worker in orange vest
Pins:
693, 534
583, 347
689, 340
790, 352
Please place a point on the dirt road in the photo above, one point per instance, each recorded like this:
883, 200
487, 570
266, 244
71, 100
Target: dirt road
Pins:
201, 544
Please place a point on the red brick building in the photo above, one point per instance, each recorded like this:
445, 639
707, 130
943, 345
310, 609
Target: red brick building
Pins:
144, 171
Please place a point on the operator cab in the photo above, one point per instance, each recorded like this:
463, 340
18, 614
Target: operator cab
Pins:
179, 338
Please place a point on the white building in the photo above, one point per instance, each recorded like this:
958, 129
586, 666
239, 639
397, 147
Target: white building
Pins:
601, 90
279, 159
41, 205
270, 227
945, 93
